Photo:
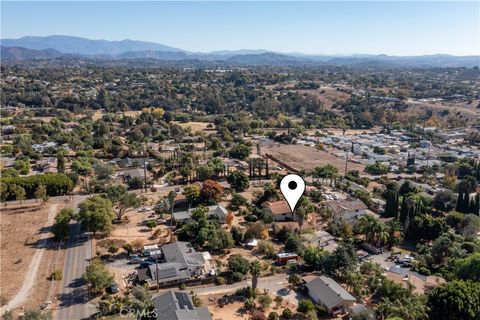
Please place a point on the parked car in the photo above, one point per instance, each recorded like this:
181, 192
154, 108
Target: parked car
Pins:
144, 209
112, 288
145, 264
135, 259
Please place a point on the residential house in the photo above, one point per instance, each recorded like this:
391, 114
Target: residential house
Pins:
138, 173
178, 263
47, 165
348, 210
330, 294
419, 283
279, 210
177, 305
219, 212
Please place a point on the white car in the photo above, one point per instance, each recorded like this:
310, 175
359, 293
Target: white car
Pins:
144, 209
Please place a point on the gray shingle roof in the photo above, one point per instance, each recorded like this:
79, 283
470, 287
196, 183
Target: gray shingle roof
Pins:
217, 211
177, 305
329, 292
182, 262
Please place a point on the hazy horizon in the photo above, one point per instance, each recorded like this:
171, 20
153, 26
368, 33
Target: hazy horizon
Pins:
314, 28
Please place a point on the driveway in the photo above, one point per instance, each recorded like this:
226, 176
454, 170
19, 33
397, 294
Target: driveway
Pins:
276, 284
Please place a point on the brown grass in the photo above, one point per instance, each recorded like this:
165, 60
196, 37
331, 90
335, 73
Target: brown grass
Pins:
306, 158
20, 230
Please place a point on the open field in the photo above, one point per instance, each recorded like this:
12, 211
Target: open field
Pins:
466, 110
25, 266
306, 158
197, 126
327, 95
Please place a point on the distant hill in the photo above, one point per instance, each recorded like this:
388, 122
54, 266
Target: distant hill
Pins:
29, 48
151, 54
438, 60
268, 58
19, 53
77, 45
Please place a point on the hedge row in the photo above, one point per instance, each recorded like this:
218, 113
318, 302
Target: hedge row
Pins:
57, 184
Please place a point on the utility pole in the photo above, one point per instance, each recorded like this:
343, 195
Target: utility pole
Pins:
145, 166
156, 267
346, 162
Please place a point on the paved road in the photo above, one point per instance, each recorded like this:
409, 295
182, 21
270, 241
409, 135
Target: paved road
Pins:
73, 296
276, 284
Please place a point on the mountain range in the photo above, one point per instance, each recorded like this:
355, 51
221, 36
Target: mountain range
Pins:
53, 47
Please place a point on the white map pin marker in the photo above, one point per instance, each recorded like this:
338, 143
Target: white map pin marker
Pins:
292, 187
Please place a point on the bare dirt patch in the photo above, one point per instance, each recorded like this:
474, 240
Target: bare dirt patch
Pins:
197, 126
306, 158
22, 231
234, 310
327, 95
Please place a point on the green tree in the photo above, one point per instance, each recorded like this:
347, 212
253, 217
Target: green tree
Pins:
255, 271
62, 223
96, 214
377, 168
468, 268
22, 166
342, 260
294, 280
237, 263
41, 193
192, 193
122, 200
97, 276
305, 306
240, 151
457, 300
239, 181
19, 193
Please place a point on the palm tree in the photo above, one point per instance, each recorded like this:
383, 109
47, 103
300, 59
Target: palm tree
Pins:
304, 208
255, 270
395, 234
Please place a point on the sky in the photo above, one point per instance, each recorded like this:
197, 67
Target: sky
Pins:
313, 27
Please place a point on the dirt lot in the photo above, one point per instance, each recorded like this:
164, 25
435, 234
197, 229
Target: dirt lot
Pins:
197, 126
327, 95
306, 158
234, 310
21, 230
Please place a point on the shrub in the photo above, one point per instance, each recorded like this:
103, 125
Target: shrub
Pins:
236, 277
182, 286
56, 275
287, 313
112, 248
219, 281
151, 224
264, 301
128, 248
273, 316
